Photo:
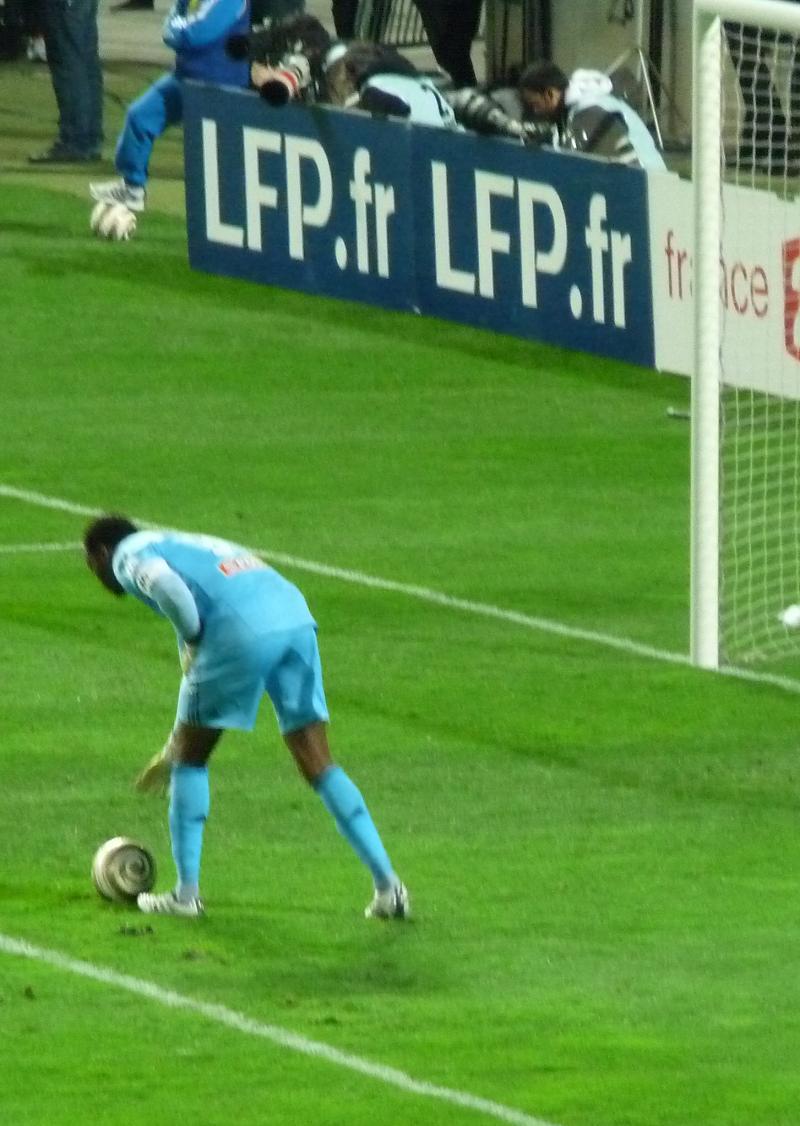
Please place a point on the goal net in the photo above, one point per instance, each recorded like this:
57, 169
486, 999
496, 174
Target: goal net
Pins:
746, 383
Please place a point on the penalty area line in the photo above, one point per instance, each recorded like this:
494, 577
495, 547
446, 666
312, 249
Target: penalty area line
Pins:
281, 1037
439, 598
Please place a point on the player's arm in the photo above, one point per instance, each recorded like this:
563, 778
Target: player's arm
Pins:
155, 777
157, 581
209, 22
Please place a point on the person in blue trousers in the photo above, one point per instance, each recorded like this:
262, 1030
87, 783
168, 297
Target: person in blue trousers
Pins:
197, 32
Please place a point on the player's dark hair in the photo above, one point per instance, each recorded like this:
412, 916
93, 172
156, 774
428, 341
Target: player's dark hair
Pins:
543, 75
107, 531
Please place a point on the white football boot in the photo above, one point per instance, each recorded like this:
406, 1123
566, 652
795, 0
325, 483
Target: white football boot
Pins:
117, 191
167, 903
393, 903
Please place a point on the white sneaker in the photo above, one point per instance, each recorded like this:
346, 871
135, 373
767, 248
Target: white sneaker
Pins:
117, 191
393, 903
167, 903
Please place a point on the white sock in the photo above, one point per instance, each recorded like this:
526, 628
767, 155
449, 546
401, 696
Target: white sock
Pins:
185, 893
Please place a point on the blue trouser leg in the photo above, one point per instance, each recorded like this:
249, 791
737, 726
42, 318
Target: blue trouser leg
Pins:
72, 54
146, 119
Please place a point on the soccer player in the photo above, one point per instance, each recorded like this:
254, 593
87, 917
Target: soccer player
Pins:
243, 630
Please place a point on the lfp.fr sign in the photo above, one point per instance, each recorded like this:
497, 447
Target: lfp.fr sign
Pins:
474, 230
310, 200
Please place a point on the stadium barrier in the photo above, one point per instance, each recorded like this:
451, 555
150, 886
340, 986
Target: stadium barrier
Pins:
479, 231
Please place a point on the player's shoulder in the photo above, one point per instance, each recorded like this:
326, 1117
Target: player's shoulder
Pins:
137, 541
131, 552
212, 545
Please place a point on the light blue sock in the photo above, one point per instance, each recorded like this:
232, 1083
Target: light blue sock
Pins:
344, 802
188, 810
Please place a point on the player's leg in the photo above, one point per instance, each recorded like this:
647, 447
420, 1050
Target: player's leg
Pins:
159, 107
187, 753
294, 684
342, 799
345, 803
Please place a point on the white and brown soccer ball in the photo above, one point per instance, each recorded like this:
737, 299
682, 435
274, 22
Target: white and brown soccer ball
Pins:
122, 869
113, 221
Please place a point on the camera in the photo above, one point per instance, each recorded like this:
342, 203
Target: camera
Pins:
291, 52
286, 81
479, 112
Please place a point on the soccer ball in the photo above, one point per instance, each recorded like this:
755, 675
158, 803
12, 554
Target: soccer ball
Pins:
113, 221
121, 869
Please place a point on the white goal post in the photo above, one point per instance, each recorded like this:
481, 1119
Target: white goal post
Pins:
745, 476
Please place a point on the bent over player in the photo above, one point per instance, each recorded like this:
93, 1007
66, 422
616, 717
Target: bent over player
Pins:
243, 631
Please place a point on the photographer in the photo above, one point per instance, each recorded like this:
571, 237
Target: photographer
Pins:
586, 116
385, 84
295, 58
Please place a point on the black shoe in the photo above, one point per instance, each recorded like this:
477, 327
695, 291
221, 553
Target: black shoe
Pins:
61, 154
133, 6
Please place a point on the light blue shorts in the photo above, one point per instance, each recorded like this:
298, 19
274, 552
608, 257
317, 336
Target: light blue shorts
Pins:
225, 689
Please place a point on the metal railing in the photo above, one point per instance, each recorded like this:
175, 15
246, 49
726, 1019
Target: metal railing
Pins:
390, 21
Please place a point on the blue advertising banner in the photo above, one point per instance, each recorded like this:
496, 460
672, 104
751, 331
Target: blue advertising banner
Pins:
551, 246
476, 230
307, 199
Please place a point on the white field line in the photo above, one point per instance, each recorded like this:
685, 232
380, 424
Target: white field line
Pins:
425, 594
281, 1037
37, 548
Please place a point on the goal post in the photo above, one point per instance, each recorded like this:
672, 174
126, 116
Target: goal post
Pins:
745, 464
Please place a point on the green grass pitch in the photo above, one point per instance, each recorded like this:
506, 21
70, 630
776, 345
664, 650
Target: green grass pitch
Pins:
602, 848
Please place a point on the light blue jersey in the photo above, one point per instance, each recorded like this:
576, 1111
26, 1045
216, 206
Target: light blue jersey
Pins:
254, 630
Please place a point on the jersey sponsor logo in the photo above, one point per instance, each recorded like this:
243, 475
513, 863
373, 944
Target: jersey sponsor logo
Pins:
240, 563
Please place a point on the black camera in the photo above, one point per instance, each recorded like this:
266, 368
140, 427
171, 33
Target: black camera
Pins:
480, 113
287, 81
293, 50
